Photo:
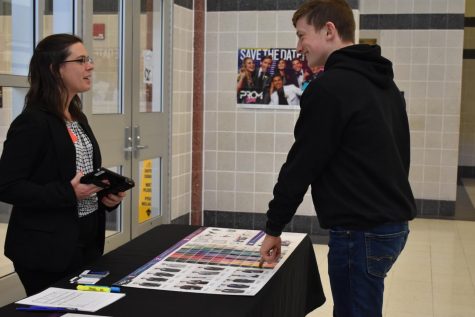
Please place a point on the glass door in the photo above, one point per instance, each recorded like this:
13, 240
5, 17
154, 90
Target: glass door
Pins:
105, 105
151, 58
126, 107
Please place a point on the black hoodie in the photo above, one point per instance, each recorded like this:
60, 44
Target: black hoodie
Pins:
351, 145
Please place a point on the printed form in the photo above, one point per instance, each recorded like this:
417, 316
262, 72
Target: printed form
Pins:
71, 299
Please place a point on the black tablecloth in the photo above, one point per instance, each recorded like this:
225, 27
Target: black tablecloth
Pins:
293, 291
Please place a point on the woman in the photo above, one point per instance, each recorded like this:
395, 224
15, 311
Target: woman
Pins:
57, 224
245, 82
283, 71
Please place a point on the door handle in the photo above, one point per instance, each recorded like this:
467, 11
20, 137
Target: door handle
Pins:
136, 142
128, 143
132, 142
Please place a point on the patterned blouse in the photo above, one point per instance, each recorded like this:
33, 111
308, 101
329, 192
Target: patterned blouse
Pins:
84, 163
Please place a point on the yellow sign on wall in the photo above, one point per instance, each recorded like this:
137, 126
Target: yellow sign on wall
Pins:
145, 198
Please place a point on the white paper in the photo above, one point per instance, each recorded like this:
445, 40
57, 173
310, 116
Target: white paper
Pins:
72, 299
87, 280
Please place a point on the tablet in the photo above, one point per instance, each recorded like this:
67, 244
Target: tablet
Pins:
116, 182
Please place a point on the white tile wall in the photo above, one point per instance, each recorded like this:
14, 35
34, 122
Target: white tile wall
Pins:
182, 111
244, 148
428, 68
411, 6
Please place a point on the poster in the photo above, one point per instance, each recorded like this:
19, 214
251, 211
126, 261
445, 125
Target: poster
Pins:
212, 261
149, 194
272, 78
145, 198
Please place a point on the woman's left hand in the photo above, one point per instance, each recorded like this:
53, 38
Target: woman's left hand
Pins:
112, 200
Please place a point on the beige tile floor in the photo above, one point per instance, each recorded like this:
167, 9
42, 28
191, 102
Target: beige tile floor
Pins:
433, 277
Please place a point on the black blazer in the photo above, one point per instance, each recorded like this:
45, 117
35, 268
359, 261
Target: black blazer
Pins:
36, 167
262, 85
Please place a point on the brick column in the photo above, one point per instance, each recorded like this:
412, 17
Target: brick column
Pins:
197, 149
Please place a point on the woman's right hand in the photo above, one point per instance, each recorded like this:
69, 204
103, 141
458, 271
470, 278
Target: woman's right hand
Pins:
83, 191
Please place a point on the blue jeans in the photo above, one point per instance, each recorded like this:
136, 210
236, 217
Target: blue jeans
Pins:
358, 262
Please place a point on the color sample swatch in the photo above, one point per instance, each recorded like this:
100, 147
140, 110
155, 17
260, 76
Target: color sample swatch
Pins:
212, 261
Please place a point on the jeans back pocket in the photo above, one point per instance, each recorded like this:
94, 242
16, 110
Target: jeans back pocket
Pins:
382, 251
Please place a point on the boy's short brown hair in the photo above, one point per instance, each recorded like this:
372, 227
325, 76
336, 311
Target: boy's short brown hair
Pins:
319, 12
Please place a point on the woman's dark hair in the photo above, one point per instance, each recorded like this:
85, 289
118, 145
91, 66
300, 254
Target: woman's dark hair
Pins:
47, 90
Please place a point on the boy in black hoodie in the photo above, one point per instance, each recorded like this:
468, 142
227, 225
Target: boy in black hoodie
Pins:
352, 146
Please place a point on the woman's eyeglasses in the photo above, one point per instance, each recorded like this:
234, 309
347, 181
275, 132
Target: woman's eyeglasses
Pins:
81, 60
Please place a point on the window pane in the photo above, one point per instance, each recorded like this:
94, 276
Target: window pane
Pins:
6, 266
58, 17
16, 36
11, 105
114, 218
105, 50
150, 59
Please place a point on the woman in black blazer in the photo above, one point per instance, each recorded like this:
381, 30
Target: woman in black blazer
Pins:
57, 224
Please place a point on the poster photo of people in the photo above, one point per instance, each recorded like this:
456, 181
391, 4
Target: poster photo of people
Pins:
272, 78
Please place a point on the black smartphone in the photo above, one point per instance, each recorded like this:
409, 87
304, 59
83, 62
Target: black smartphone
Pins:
114, 182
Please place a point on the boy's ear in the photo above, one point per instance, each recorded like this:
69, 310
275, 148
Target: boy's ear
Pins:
331, 29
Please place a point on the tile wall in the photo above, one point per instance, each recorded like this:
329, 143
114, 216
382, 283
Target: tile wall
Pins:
182, 110
244, 149
424, 39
